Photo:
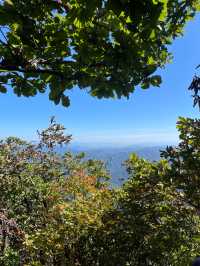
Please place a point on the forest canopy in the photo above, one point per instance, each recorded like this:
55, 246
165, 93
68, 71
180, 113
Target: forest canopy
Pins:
107, 47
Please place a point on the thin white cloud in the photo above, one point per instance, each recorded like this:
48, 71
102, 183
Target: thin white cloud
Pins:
112, 138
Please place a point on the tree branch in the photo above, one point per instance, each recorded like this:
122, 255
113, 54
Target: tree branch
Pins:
31, 70
2, 33
2, 42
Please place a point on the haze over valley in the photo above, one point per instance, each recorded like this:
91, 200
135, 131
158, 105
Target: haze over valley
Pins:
114, 157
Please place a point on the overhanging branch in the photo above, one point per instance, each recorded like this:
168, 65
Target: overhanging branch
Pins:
31, 70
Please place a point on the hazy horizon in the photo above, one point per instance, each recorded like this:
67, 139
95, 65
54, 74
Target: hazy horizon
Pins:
123, 141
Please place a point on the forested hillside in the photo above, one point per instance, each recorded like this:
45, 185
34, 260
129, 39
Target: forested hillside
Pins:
114, 158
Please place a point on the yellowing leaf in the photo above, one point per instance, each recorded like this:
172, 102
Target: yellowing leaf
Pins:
9, 2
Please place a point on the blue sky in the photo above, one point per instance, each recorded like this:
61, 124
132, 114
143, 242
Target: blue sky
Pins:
148, 117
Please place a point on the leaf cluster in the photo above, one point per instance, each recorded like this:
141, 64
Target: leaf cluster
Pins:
107, 47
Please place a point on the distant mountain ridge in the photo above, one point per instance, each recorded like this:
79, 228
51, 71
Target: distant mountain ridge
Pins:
114, 157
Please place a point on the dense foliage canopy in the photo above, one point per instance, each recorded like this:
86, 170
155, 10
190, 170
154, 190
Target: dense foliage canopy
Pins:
61, 210
105, 46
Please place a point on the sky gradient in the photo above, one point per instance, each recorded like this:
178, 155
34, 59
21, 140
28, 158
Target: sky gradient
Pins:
148, 117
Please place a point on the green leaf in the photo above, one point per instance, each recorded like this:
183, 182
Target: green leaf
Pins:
3, 89
156, 80
9, 2
65, 100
